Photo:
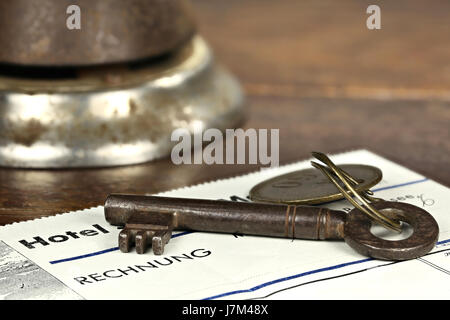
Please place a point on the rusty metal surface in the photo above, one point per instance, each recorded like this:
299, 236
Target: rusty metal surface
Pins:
150, 214
115, 117
35, 32
425, 235
151, 219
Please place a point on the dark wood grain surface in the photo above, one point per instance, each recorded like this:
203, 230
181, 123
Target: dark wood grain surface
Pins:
311, 69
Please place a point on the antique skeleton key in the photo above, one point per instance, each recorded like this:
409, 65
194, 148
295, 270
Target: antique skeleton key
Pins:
151, 219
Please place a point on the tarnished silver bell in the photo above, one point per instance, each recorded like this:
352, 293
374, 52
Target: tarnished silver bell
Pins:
106, 105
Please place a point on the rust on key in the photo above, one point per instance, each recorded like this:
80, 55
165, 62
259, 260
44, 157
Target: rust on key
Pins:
151, 219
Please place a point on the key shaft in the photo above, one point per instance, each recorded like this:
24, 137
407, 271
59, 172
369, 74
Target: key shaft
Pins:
154, 213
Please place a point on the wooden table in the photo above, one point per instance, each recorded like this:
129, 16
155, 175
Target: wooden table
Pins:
311, 69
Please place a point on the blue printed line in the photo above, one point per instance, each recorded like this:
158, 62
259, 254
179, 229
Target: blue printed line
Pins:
442, 242
106, 251
299, 275
85, 255
188, 232
182, 234
400, 185
307, 273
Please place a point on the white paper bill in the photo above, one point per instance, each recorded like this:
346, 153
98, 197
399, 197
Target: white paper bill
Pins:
79, 249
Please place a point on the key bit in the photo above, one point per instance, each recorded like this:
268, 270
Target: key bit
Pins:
142, 238
151, 219
141, 232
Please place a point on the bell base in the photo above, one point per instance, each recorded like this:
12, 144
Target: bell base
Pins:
115, 117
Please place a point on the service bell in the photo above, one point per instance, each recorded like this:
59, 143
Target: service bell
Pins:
101, 83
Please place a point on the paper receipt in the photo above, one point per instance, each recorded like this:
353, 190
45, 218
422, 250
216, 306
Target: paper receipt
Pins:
75, 255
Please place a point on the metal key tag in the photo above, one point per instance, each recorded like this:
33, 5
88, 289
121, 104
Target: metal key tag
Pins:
310, 186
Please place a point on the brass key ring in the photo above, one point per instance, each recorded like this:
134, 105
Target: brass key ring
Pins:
332, 171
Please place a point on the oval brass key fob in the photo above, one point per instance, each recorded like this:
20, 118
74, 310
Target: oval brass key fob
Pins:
310, 186
151, 219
